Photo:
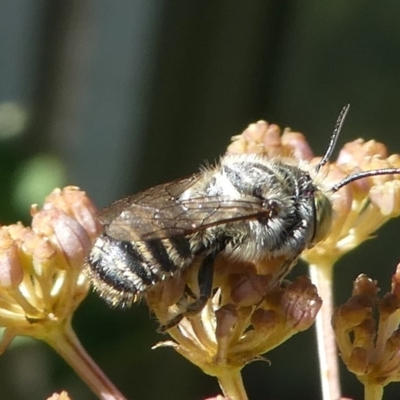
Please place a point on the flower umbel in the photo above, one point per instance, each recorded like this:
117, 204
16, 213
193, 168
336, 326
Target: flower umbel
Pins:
360, 208
249, 314
245, 319
370, 347
363, 206
42, 280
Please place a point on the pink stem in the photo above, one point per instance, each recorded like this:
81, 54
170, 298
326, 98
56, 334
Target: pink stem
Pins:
321, 276
69, 347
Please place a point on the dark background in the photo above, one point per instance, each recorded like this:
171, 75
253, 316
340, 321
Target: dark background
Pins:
116, 96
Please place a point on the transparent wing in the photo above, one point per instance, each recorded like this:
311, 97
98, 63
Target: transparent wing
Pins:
159, 212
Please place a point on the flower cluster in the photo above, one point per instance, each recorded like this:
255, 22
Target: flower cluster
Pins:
369, 346
359, 209
362, 206
60, 396
242, 321
267, 139
248, 316
41, 279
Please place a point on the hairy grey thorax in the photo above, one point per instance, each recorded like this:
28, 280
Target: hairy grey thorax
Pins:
287, 187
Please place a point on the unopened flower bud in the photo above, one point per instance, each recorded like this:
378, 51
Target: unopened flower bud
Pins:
40, 254
354, 152
253, 137
301, 150
11, 273
64, 232
163, 298
389, 304
387, 198
226, 319
366, 287
358, 361
76, 204
267, 139
302, 303
264, 320
353, 312
248, 290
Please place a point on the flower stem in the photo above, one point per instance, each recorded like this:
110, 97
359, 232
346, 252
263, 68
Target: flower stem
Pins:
321, 276
231, 383
373, 391
67, 345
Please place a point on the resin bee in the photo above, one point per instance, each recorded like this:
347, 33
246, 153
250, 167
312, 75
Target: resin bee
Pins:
248, 207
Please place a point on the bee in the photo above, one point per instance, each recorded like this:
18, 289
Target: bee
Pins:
248, 208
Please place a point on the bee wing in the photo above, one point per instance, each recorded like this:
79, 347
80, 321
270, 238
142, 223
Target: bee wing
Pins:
148, 200
158, 213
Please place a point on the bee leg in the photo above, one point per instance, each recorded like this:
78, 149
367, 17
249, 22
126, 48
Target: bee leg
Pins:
189, 292
173, 322
205, 280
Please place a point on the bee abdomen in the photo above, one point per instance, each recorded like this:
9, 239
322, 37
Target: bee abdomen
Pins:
121, 271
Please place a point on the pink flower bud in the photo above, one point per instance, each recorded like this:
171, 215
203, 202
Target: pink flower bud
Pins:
301, 303
11, 272
75, 203
299, 145
65, 233
387, 198
356, 151
257, 131
264, 320
248, 290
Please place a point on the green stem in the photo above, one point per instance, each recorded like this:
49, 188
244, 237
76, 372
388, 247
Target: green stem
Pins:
373, 391
231, 383
67, 345
321, 276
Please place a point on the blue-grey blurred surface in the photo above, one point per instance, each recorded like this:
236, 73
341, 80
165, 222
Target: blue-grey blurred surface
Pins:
118, 96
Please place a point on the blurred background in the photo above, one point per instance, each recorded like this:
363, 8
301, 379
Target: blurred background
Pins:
118, 96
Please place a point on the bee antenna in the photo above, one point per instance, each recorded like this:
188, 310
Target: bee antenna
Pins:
365, 174
334, 138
